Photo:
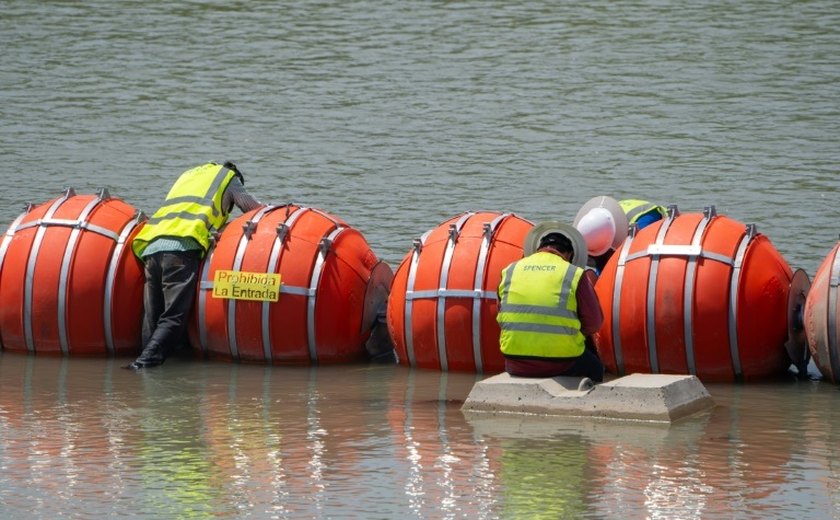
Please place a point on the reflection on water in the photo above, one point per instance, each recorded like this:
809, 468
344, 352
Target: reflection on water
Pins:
192, 439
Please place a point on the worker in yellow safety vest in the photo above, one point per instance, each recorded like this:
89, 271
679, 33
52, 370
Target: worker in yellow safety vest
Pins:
603, 222
641, 212
171, 245
547, 308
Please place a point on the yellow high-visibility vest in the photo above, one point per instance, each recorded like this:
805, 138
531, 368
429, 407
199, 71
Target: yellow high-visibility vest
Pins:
634, 209
538, 308
192, 209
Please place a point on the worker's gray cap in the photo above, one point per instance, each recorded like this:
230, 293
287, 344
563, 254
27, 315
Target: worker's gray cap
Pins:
618, 215
532, 239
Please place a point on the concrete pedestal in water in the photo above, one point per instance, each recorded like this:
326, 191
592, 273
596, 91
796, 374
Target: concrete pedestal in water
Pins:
645, 397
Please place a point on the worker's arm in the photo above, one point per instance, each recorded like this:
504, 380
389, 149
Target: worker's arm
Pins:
237, 195
589, 309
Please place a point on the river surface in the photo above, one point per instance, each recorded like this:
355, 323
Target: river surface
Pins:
396, 116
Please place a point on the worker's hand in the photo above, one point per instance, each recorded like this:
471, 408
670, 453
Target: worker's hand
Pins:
591, 275
590, 342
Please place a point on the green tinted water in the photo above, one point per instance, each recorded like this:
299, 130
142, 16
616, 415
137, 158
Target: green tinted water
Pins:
396, 116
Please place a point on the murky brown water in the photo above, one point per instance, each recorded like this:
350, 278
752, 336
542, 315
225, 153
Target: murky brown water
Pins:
396, 116
203, 439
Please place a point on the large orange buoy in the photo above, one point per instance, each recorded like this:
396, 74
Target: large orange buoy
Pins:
69, 283
701, 294
333, 288
822, 314
442, 307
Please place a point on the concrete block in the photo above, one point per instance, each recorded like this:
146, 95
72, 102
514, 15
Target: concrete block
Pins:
641, 397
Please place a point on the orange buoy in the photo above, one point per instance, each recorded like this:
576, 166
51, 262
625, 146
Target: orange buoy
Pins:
333, 287
701, 294
69, 283
442, 306
822, 314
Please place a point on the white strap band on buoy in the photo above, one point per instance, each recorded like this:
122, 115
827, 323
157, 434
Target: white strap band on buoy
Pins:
709, 214
454, 231
283, 231
30, 270
317, 270
110, 278
478, 287
250, 227
734, 285
832, 342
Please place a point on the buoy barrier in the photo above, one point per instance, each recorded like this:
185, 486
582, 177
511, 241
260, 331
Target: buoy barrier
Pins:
69, 283
332, 288
822, 314
701, 294
442, 306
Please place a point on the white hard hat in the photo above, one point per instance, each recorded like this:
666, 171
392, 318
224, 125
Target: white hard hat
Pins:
602, 223
598, 230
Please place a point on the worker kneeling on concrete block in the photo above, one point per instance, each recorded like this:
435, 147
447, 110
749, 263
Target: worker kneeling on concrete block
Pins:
548, 308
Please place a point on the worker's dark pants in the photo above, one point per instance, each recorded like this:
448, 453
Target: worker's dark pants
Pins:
171, 282
588, 365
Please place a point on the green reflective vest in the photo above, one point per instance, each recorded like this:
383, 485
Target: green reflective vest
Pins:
634, 209
538, 308
193, 208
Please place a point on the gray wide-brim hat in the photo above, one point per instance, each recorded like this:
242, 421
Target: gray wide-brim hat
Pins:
618, 216
532, 239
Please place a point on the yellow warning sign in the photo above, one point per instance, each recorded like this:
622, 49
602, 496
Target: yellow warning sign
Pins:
241, 285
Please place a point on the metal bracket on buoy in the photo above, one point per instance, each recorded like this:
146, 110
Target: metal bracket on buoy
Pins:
28, 207
136, 219
282, 231
69, 192
417, 245
248, 228
488, 230
453, 232
214, 238
324, 246
103, 194
632, 229
752, 231
709, 212
673, 211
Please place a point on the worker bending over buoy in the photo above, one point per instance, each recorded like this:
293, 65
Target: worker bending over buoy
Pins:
171, 246
603, 222
548, 308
